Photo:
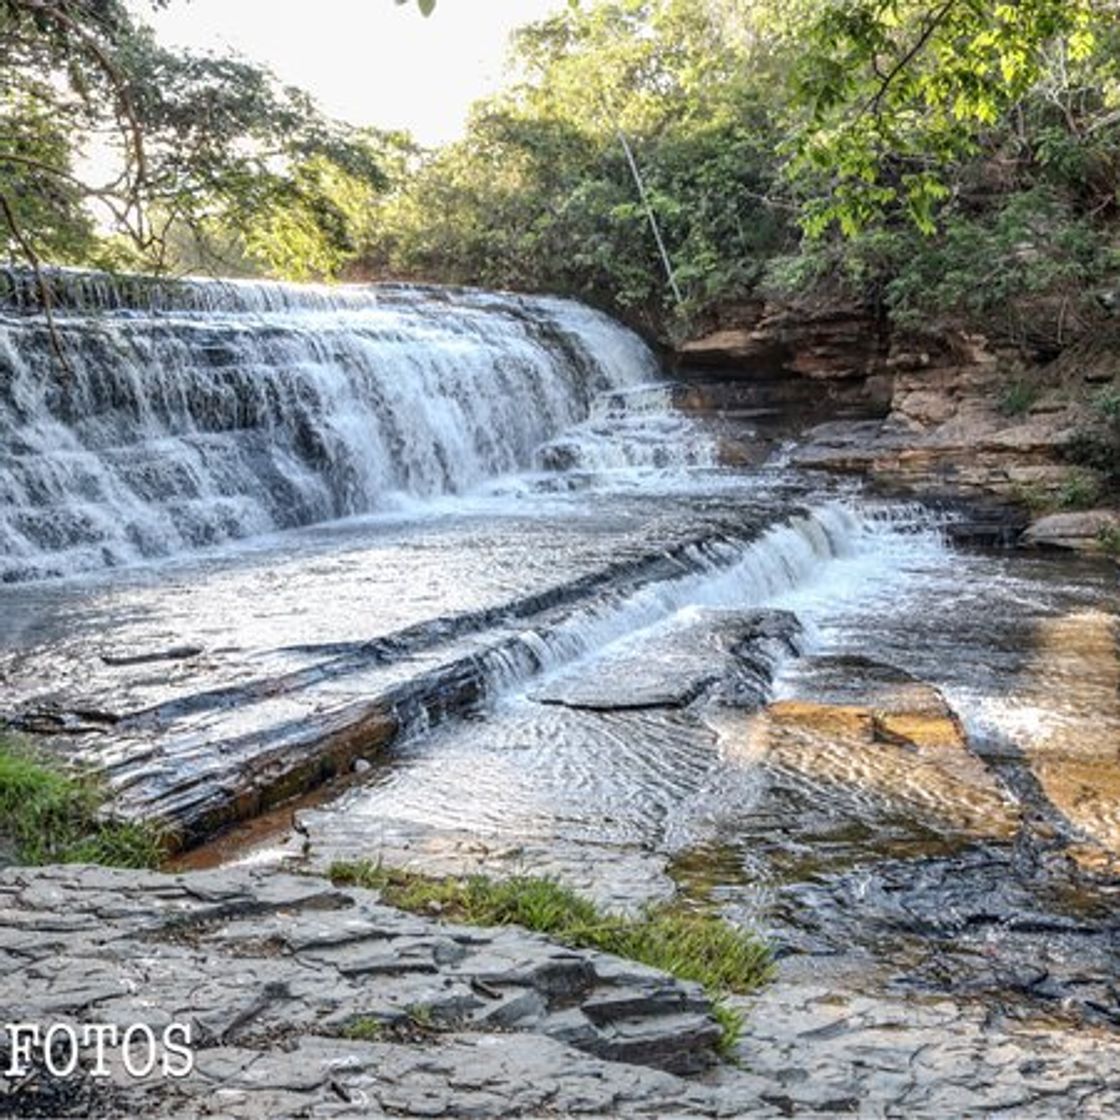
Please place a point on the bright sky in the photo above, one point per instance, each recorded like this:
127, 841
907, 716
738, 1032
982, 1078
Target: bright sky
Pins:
365, 61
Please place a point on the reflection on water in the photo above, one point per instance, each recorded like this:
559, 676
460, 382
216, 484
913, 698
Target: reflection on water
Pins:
622, 666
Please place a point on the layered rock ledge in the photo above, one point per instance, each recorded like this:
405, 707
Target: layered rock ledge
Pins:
940, 411
276, 973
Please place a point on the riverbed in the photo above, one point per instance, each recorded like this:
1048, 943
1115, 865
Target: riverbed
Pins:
619, 662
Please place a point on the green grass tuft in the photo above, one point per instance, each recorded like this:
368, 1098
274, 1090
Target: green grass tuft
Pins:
366, 1029
50, 814
730, 1021
692, 946
1109, 538
1018, 398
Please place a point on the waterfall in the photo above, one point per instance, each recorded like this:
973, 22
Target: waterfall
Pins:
632, 428
195, 412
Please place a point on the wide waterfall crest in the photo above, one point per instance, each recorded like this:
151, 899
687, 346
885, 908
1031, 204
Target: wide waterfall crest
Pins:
196, 412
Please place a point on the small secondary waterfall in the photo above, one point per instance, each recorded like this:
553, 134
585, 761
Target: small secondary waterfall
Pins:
201, 411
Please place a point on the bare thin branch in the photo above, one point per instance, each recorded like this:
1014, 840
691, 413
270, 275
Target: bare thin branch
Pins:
29, 251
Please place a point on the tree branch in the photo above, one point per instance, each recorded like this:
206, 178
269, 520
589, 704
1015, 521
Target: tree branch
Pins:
131, 126
934, 21
28, 250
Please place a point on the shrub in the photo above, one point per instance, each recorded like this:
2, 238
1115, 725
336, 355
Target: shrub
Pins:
1018, 397
1080, 490
1109, 538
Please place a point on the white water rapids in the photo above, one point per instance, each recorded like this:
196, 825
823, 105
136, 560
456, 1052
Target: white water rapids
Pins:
203, 411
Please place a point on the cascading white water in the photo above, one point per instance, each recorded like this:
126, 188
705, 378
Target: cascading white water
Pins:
830, 551
201, 411
723, 574
632, 428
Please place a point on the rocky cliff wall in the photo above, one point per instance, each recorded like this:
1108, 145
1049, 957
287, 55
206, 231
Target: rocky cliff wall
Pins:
941, 411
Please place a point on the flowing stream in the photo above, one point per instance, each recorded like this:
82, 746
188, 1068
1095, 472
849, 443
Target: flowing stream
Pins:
464, 540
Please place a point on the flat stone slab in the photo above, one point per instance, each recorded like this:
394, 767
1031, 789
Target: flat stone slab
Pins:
825, 1048
1081, 530
670, 666
272, 971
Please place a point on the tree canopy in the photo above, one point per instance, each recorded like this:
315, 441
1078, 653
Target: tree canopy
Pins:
889, 95
935, 157
117, 151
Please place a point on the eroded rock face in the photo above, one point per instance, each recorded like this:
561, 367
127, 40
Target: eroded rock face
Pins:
949, 426
815, 342
1083, 531
806, 361
942, 411
269, 970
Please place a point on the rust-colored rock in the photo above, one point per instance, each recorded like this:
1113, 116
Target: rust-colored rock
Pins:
959, 412
824, 719
904, 745
1076, 758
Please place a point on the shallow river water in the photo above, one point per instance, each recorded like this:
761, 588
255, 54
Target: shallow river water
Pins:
643, 673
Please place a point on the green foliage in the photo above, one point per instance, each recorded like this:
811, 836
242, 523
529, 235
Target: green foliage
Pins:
1097, 445
1108, 404
365, 1029
888, 96
1023, 269
731, 1021
1080, 490
968, 154
693, 946
200, 153
1108, 536
1018, 397
52, 815
420, 1014
1091, 448
1036, 499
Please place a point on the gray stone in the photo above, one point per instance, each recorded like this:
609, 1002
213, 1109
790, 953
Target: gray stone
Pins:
270, 970
1074, 530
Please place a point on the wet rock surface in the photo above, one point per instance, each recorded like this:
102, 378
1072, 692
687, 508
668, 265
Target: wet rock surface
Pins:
232, 733
1074, 755
271, 971
946, 946
940, 951
902, 744
672, 667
